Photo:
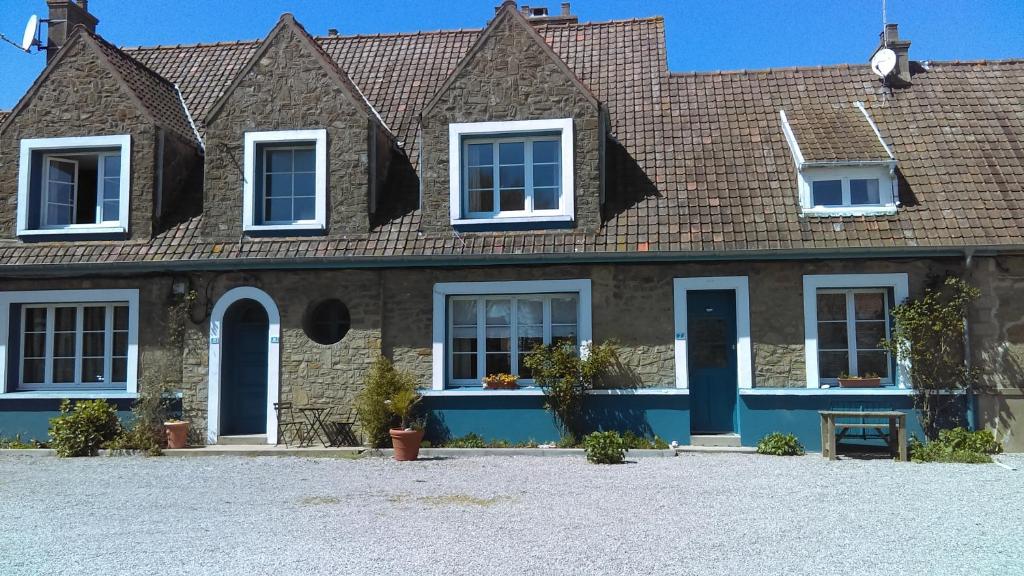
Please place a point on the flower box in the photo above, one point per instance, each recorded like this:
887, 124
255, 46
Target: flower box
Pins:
854, 382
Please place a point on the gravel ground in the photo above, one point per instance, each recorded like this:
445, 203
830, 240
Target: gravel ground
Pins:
696, 514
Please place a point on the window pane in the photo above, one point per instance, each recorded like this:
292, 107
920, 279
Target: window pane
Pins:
62, 171
545, 151
92, 371
112, 166
64, 370
832, 364
35, 345
304, 184
510, 153
64, 344
93, 343
563, 334
512, 177
60, 193
464, 340
480, 155
464, 366
869, 306
481, 178
530, 312
119, 367
35, 319
120, 318
120, 344
58, 215
530, 337
545, 175
869, 334
499, 312
864, 191
545, 198
873, 363
111, 188
513, 199
832, 335
464, 312
305, 208
481, 200
34, 371
94, 318
279, 160
827, 193
499, 364
64, 319
499, 339
563, 310
831, 306
279, 185
111, 210
305, 160
279, 210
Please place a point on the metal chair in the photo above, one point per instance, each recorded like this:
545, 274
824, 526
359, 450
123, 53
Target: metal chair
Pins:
287, 421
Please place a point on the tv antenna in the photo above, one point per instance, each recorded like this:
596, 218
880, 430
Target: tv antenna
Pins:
884, 60
30, 37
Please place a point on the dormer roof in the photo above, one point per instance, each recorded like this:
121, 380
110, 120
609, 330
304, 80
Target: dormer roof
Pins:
819, 133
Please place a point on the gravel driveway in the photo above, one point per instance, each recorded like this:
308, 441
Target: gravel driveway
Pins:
695, 514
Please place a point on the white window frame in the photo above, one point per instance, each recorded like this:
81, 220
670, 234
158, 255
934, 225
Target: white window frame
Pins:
897, 282
53, 148
851, 329
886, 190
516, 130
255, 140
481, 331
130, 297
442, 292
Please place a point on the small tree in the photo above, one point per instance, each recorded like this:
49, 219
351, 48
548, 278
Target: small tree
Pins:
929, 333
565, 377
384, 384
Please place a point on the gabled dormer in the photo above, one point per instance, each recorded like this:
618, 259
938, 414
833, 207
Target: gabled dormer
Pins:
512, 139
96, 149
844, 166
293, 146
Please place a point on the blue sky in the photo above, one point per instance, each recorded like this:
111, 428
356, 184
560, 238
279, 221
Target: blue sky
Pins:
702, 34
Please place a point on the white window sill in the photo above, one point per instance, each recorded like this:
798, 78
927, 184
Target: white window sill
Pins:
283, 227
539, 392
68, 394
850, 211
76, 229
884, 391
511, 220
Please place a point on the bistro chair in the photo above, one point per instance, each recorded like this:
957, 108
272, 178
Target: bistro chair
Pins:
289, 421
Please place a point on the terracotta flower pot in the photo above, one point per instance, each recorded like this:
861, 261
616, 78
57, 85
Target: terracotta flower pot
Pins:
406, 443
860, 382
177, 434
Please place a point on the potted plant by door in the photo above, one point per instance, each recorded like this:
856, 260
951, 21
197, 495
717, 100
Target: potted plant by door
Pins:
869, 380
177, 433
407, 437
501, 382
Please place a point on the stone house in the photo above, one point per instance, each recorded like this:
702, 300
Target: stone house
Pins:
451, 199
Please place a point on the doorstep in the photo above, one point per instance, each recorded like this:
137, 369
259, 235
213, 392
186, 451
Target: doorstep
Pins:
718, 449
477, 452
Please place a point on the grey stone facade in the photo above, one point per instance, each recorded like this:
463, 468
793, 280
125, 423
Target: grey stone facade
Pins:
289, 88
511, 76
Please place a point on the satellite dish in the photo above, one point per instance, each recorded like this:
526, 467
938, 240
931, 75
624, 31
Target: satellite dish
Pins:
883, 62
28, 40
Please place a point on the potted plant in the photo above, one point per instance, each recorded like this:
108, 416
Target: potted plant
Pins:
177, 433
407, 438
501, 381
869, 380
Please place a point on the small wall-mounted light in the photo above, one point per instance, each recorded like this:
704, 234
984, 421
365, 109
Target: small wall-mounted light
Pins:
179, 286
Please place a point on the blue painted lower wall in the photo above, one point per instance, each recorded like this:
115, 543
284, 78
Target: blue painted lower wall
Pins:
30, 418
523, 418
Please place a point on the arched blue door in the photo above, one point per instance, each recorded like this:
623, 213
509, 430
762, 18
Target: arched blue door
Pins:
244, 349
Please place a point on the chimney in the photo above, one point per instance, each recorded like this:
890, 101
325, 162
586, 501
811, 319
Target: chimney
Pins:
539, 15
64, 16
890, 38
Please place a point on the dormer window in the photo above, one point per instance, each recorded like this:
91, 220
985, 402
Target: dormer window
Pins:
511, 172
74, 186
844, 166
286, 181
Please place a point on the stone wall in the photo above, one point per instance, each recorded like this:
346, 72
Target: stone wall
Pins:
288, 89
511, 77
80, 97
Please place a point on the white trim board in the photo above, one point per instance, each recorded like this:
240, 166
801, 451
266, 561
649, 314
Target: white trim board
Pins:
456, 133
254, 139
445, 289
131, 296
900, 284
273, 359
32, 145
739, 284
827, 392
479, 393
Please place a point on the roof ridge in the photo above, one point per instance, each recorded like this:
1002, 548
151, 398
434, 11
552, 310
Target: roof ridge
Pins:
396, 34
194, 45
770, 70
980, 61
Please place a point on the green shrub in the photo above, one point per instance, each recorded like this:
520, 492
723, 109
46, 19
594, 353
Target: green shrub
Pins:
146, 432
636, 442
565, 378
779, 444
16, 443
373, 405
471, 440
605, 447
957, 445
82, 428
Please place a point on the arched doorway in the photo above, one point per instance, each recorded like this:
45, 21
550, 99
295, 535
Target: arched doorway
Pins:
243, 370
244, 364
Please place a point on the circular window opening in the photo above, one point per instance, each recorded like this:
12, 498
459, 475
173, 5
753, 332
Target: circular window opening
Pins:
327, 322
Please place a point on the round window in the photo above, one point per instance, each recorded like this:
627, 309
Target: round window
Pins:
327, 321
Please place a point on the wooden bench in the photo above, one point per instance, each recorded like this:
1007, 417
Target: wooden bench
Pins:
895, 429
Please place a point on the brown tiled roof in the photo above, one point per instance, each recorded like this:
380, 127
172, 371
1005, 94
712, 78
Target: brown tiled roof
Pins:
704, 155
834, 134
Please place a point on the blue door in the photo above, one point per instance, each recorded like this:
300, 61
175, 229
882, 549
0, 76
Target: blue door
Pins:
711, 359
244, 351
